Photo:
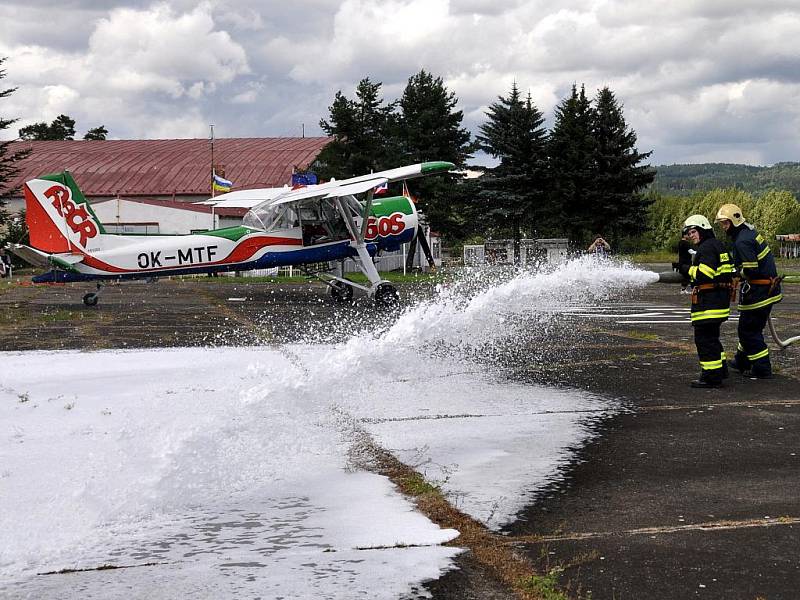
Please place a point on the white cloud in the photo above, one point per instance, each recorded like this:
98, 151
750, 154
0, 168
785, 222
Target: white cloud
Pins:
159, 50
712, 78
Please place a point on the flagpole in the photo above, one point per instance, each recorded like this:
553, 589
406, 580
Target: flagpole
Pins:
212, 176
212, 160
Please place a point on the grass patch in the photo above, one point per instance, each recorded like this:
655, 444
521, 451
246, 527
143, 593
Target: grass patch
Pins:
394, 277
415, 485
654, 256
543, 586
399, 277
60, 315
225, 279
643, 335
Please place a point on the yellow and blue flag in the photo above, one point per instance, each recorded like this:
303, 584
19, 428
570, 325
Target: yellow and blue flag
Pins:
220, 184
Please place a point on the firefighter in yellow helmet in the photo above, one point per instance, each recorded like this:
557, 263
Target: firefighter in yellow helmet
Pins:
759, 291
711, 272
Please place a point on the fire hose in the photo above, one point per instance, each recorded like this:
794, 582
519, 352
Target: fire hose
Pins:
672, 277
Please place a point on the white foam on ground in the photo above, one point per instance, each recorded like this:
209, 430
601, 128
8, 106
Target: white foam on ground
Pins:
234, 461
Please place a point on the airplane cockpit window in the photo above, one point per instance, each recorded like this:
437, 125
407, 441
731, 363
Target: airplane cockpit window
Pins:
271, 218
321, 222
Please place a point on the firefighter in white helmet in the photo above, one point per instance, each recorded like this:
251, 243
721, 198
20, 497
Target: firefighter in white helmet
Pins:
760, 289
711, 272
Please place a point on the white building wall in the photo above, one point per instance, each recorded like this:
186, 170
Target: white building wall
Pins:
169, 219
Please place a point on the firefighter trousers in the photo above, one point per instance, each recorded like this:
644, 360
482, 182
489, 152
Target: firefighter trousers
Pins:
752, 352
709, 350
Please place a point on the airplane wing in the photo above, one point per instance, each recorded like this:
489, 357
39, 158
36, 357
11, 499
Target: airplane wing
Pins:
329, 192
245, 198
357, 185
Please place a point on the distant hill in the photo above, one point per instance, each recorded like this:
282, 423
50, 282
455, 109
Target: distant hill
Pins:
684, 180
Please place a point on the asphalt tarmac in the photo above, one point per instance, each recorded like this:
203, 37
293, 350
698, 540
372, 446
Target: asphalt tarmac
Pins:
687, 493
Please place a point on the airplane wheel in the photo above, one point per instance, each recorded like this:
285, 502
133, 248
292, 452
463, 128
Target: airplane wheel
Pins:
341, 292
386, 295
90, 299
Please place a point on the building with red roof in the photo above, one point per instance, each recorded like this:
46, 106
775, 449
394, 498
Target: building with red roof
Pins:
164, 175
168, 169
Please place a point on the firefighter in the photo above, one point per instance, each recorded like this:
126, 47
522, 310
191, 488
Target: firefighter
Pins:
710, 272
760, 289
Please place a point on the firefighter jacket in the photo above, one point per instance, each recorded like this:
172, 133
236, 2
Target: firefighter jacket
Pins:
753, 258
711, 273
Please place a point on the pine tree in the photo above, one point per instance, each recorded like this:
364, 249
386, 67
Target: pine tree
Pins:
572, 153
361, 131
619, 205
429, 128
9, 169
513, 193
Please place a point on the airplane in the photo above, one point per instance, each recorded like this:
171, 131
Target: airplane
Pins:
299, 227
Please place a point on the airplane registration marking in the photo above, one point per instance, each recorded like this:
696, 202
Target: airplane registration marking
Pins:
190, 256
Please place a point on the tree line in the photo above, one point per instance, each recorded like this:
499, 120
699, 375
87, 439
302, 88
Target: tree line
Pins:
685, 180
773, 212
584, 176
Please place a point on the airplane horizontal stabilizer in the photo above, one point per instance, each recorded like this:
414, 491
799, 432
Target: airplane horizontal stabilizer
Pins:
32, 256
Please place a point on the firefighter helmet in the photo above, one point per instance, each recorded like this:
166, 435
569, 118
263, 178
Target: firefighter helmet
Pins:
696, 221
732, 213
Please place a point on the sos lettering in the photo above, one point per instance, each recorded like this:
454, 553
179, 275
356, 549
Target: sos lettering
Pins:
385, 226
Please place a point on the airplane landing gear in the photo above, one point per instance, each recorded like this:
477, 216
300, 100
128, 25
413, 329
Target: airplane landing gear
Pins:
92, 298
386, 295
341, 292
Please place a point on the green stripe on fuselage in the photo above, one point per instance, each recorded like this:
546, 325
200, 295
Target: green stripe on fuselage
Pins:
386, 207
229, 233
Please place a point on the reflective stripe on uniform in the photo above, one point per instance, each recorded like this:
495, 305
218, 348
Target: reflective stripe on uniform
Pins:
714, 313
726, 268
757, 355
706, 270
710, 365
750, 265
763, 253
761, 304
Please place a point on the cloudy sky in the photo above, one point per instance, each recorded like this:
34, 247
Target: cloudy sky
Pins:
701, 80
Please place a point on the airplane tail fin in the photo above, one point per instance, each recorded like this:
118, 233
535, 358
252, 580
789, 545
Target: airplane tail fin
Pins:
59, 217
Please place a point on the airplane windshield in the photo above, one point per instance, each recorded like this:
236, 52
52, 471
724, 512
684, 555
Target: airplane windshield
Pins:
320, 218
270, 218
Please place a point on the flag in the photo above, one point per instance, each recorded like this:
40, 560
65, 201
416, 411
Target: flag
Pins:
382, 188
220, 184
302, 179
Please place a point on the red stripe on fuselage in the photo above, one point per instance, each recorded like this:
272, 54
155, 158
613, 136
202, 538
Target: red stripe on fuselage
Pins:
241, 253
250, 246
